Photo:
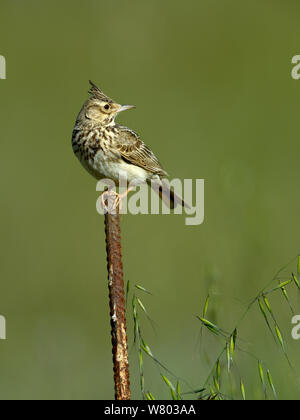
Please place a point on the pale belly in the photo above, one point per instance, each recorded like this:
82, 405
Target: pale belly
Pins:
115, 170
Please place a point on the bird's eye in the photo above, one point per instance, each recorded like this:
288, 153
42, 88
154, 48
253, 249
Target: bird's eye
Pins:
106, 107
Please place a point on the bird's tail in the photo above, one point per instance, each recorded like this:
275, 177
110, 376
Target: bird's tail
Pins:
168, 195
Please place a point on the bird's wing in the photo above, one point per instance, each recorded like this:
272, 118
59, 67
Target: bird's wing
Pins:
135, 152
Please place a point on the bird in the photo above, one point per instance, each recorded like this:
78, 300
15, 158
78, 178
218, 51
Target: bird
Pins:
109, 150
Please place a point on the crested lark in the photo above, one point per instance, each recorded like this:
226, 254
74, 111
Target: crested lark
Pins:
109, 150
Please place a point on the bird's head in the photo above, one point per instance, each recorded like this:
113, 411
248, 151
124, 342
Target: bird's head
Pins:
101, 109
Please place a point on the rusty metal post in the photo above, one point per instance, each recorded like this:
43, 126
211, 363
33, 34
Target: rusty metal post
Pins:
117, 306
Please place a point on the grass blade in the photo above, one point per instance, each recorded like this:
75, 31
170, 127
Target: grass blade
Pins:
168, 382
149, 396
232, 343
146, 348
127, 291
137, 286
206, 306
284, 292
262, 377
296, 280
212, 327
285, 283
266, 318
171, 387
279, 336
228, 357
218, 370
243, 390
271, 384
141, 305
216, 384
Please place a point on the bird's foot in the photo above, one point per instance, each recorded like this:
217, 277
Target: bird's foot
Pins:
111, 200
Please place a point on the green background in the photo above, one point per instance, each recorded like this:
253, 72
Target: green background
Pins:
215, 100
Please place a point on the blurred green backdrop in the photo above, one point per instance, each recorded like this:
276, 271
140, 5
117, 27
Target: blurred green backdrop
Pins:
215, 100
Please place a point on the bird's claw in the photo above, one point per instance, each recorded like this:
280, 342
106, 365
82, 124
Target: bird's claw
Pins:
111, 201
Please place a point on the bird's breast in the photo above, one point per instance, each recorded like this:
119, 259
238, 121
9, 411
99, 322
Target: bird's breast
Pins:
96, 151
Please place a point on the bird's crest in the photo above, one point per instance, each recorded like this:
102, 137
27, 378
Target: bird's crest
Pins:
98, 94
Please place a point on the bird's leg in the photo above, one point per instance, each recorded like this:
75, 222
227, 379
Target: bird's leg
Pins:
110, 200
124, 194
119, 197
107, 196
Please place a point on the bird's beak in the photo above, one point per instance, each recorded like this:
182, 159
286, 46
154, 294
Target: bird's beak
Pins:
126, 107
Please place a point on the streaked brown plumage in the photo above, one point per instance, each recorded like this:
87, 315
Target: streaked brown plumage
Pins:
109, 150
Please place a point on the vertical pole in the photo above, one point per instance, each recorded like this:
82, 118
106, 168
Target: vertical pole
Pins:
117, 306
